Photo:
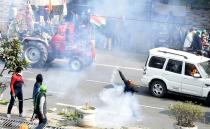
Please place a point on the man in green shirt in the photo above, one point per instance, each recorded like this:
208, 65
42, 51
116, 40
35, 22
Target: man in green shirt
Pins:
40, 107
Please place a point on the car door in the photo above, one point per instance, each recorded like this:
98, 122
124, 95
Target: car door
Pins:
155, 66
173, 75
190, 84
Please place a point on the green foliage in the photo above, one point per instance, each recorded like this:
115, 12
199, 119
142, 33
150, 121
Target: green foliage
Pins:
193, 3
3, 102
11, 54
202, 2
71, 115
186, 113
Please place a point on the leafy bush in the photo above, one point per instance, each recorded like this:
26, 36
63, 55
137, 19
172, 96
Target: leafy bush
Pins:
71, 115
74, 115
3, 102
186, 113
11, 54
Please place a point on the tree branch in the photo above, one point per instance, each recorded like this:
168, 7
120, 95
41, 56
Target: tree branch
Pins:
4, 68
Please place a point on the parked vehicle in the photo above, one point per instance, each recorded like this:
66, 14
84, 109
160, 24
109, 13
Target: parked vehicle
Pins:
177, 71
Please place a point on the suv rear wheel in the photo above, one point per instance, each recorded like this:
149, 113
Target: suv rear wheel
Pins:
208, 99
158, 88
75, 64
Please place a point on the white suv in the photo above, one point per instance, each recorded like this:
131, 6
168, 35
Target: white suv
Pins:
177, 71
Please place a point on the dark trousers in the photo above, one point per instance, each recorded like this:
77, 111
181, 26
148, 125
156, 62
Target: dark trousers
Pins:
42, 122
19, 95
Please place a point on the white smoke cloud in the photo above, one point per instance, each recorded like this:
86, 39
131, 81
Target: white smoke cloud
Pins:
63, 81
119, 108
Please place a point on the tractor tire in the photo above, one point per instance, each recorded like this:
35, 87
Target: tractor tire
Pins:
35, 53
75, 64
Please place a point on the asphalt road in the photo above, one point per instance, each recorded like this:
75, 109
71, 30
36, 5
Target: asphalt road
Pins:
86, 86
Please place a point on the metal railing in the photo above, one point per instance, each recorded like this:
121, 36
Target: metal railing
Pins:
8, 123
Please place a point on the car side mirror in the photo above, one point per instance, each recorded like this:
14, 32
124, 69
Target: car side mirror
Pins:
197, 75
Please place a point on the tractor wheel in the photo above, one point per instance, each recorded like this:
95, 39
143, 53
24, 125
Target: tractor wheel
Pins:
35, 53
75, 64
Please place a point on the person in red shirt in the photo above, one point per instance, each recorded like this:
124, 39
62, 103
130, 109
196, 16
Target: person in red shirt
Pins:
16, 91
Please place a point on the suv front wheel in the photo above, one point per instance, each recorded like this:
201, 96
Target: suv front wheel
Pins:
158, 88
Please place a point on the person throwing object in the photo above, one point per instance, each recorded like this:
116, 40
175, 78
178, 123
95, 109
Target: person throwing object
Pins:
129, 87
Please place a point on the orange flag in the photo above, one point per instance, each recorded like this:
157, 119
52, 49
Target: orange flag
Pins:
50, 6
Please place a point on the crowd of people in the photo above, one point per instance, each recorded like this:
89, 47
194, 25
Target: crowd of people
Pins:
197, 41
39, 97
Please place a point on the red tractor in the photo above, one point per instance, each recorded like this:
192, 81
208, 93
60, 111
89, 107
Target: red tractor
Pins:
76, 45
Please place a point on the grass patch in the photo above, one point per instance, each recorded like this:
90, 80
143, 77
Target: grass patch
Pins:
3, 102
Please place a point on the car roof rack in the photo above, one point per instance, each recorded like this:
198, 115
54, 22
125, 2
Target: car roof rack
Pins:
173, 53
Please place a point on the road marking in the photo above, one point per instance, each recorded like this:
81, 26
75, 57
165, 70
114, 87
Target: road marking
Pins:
117, 66
146, 106
159, 108
67, 105
98, 82
29, 79
53, 92
30, 72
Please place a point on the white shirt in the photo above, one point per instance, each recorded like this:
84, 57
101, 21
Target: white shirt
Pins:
41, 106
188, 40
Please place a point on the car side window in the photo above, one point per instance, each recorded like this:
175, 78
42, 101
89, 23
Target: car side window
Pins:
190, 69
174, 66
157, 62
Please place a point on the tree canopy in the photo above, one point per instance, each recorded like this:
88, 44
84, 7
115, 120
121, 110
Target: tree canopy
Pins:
11, 54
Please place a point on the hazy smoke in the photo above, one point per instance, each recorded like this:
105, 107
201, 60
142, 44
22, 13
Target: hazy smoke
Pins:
63, 81
135, 25
125, 24
119, 109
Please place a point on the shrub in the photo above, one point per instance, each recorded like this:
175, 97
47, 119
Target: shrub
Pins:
186, 113
70, 114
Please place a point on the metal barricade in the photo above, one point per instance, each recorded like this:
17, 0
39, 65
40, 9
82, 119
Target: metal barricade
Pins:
8, 123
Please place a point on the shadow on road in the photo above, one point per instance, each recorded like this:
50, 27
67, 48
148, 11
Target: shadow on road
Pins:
53, 65
172, 96
184, 98
143, 91
140, 90
206, 118
109, 86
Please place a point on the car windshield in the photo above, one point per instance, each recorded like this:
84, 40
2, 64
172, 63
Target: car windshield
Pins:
206, 67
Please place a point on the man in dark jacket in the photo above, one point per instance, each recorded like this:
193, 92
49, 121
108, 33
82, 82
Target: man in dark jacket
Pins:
40, 107
129, 87
196, 43
16, 91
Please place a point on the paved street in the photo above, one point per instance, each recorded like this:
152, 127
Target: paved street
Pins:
82, 87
